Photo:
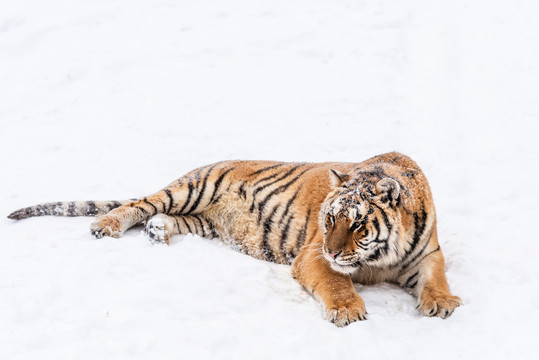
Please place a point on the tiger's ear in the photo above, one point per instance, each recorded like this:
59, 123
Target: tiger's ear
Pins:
336, 178
388, 191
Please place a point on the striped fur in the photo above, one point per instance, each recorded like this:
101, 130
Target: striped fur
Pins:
68, 208
372, 221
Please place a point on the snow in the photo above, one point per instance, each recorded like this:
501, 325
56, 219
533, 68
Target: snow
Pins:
115, 99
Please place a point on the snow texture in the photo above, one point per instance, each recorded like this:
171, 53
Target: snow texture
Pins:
115, 99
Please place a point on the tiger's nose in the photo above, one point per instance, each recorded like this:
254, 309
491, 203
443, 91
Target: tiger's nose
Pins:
334, 254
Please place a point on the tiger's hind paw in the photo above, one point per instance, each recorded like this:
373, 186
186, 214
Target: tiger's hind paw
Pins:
106, 225
157, 230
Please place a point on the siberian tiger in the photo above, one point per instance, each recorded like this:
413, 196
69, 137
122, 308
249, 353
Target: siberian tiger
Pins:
335, 223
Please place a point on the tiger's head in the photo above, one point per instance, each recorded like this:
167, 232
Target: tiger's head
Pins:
360, 222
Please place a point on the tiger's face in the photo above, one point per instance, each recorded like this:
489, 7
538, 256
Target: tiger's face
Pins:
359, 226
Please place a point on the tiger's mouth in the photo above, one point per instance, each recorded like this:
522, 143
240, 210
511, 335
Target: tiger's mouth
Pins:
346, 269
344, 266
353, 264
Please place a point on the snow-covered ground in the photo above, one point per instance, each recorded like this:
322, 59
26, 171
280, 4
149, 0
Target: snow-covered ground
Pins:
115, 99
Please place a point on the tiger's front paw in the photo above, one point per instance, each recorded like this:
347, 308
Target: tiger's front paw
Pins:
346, 310
441, 304
107, 225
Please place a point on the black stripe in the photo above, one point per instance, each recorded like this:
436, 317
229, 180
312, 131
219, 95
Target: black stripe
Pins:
376, 240
71, 209
241, 190
207, 227
376, 227
201, 193
197, 173
362, 246
218, 183
377, 172
303, 233
409, 174
388, 225
395, 159
433, 251
419, 228
91, 210
152, 205
266, 248
142, 209
411, 261
201, 226
375, 255
214, 233
284, 236
420, 222
415, 256
274, 175
114, 205
164, 206
210, 227
170, 200
369, 189
287, 174
266, 169
58, 205
289, 204
276, 191
386, 220
190, 186
177, 225
409, 280
187, 225
196, 226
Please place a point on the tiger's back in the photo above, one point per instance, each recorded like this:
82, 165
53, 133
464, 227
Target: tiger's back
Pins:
270, 209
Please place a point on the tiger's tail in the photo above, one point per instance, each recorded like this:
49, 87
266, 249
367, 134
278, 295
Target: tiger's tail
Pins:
68, 208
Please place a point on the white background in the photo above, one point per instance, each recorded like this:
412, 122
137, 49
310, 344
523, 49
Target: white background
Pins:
111, 99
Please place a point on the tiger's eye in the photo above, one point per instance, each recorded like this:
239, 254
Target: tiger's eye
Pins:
355, 226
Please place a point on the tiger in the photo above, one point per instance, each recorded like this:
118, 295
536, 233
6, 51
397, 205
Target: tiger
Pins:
335, 223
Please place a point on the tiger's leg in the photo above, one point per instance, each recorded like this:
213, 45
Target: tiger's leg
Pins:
117, 221
342, 304
161, 227
191, 194
427, 281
